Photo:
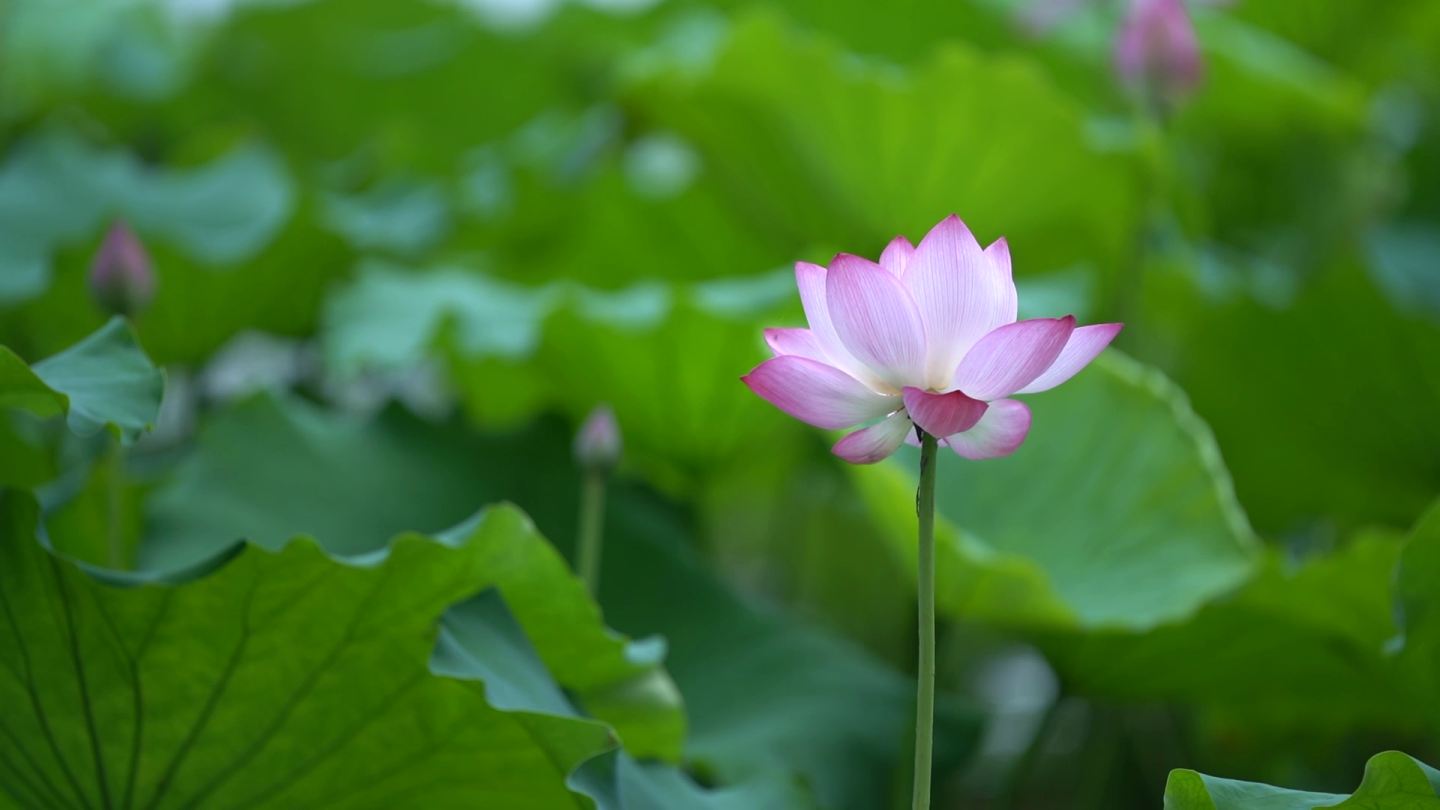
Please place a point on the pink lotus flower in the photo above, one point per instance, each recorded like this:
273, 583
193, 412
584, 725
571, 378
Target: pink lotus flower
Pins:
926, 337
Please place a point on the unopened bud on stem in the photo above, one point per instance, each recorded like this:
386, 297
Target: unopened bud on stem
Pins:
1157, 51
598, 444
121, 276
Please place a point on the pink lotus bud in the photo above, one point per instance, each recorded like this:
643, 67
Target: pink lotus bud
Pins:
598, 444
1157, 50
121, 277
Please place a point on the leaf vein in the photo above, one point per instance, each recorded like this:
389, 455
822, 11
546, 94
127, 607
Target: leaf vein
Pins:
35, 705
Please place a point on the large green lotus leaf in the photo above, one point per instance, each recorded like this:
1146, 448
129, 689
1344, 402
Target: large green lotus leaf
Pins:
26, 459
481, 639
765, 695
1393, 781
103, 381
1296, 650
1299, 457
274, 679
616, 680
1117, 512
852, 152
1302, 652
785, 522
268, 471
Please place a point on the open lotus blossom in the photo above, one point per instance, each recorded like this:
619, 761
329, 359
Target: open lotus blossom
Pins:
927, 337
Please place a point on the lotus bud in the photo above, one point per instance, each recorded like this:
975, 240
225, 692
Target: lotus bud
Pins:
598, 444
121, 276
1157, 50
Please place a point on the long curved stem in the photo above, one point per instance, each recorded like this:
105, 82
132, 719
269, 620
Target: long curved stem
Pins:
925, 687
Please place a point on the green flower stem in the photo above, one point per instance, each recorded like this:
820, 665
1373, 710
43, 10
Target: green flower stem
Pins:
925, 688
115, 507
592, 523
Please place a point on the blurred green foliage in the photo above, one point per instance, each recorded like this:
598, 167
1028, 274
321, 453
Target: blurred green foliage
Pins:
403, 246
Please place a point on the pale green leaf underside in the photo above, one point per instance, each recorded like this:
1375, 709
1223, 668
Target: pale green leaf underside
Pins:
104, 380
482, 640
1116, 512
1393, 781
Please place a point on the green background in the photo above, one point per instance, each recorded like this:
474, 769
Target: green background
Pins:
296, 534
